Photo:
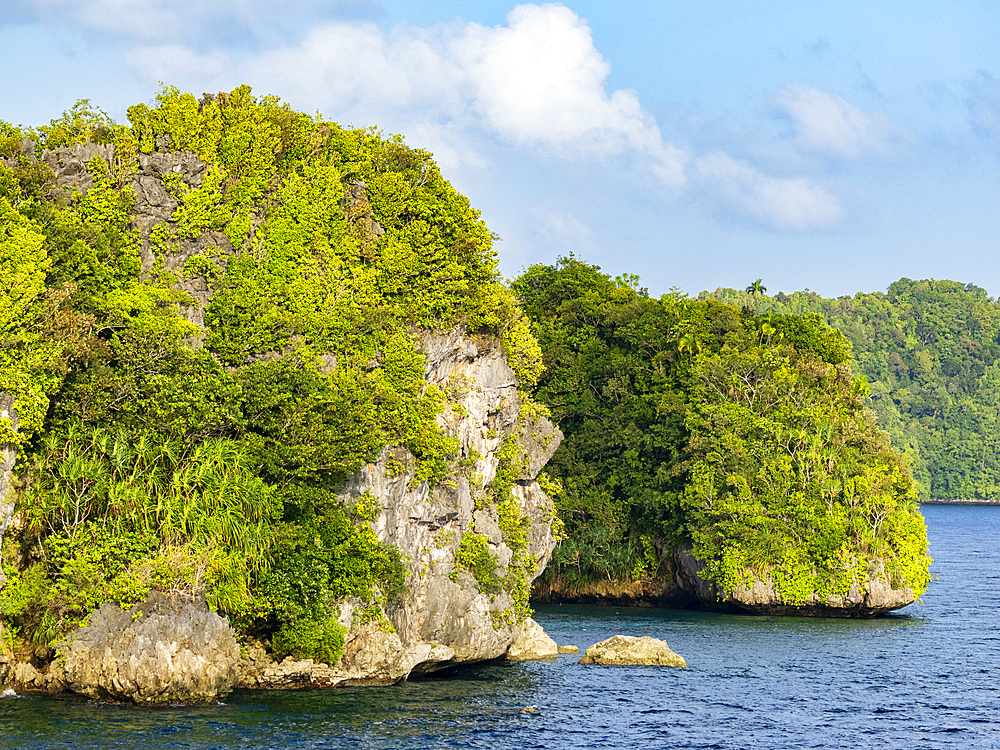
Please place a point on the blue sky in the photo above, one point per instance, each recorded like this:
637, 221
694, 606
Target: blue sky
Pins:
831, 146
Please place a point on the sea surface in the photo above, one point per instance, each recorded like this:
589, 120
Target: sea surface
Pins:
926, 677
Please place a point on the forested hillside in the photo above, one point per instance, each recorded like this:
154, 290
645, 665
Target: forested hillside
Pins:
207, 325
930, 351
691, 422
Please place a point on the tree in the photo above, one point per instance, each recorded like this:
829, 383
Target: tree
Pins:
756, 288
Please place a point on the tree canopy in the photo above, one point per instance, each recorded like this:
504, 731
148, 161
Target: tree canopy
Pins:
930, 351
746, 436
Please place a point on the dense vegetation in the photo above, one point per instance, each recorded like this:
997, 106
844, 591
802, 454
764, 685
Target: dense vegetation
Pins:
743, 435
159, 455
930, 351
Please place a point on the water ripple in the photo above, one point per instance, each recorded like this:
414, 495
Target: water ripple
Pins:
924, 678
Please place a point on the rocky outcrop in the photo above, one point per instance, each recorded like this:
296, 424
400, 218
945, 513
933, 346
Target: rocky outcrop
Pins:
760, 597
531, 643
165, 650
621, 650
445, 619
678, 583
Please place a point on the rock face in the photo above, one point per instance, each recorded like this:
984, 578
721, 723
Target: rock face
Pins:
623, 650
678, 584
532, 643
445, 619
153, 205
761, 597
163, 651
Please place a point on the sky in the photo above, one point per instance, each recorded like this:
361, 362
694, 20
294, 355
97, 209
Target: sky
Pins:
832, 146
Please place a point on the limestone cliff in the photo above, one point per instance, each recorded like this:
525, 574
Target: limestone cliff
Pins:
445, 619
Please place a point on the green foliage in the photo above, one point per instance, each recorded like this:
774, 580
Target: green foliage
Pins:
743, 435
215, 448
930, 352
81, 123
308, 638
474, 555
26, 362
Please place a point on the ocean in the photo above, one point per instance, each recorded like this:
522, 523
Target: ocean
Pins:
927, 676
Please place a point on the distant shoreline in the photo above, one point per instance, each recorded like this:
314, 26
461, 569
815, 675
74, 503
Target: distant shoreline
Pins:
960, 502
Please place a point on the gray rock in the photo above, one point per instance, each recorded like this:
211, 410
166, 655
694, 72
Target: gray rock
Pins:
875, 596
445, 613
69, 164
445, 619
531, 643
629, 650
163, 651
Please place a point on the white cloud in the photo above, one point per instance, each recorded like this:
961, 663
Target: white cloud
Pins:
541, 81
358, 67
795, 204
166, 61
537, 81
830, 125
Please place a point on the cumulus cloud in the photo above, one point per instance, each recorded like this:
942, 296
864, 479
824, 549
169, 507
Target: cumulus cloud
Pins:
830, 125
358, 67
540, 80
795, 204
537, 81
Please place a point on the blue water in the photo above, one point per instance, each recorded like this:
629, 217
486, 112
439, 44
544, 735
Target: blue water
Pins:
928, 677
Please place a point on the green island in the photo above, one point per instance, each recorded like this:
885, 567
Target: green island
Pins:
254, 360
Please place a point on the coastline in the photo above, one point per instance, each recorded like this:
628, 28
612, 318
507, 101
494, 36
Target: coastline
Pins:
943, 501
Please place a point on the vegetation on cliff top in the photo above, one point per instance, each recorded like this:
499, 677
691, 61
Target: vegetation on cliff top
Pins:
743, 435
157, 454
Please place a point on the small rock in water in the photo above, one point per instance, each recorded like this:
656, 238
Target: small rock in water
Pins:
630, 650
568, 650
529, 709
